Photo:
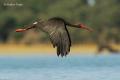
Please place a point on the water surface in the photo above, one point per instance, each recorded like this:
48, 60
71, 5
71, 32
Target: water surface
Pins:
51, 67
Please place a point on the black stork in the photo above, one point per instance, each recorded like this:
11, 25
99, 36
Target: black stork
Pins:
56, 28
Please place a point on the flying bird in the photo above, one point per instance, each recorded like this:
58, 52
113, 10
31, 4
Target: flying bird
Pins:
56, 28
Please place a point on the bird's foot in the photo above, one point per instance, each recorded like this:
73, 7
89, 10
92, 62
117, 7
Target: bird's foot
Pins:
20, 30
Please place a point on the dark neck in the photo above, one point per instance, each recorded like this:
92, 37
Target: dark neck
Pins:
72, 25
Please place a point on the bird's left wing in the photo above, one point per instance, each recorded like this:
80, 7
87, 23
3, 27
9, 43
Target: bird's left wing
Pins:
60, 38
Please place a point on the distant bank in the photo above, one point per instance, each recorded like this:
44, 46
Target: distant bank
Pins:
18, 49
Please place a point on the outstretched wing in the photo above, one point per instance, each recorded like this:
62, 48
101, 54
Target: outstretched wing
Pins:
60, 38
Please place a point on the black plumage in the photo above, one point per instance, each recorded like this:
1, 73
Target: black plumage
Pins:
56, 28
58, 33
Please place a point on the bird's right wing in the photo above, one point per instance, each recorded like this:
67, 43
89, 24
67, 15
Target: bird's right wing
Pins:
60, 38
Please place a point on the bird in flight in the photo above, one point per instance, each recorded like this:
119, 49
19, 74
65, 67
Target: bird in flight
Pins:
56, 28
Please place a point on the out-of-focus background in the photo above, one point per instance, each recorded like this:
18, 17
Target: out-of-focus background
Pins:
101, 15
21, 54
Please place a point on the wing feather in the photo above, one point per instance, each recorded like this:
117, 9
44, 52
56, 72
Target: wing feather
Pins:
60, 38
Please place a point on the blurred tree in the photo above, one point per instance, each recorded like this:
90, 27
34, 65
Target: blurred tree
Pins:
7, 28
103, 15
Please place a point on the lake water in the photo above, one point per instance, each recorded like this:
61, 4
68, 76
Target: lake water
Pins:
51, 67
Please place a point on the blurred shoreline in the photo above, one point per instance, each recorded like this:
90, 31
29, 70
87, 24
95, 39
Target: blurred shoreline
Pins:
20, 49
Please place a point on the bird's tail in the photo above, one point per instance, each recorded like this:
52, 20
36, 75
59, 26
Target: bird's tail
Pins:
25, 29
31, 26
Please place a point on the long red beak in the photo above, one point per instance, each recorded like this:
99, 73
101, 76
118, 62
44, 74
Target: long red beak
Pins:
20, 30
86, 28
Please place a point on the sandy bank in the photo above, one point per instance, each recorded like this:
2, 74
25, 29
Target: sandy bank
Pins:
45, 48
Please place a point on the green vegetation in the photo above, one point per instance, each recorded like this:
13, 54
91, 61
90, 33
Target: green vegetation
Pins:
103, 17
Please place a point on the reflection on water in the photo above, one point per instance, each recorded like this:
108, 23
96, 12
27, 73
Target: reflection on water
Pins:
49, 67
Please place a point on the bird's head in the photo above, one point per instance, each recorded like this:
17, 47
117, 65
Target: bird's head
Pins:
82, 26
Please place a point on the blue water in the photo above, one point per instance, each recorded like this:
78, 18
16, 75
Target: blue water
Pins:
51, 67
